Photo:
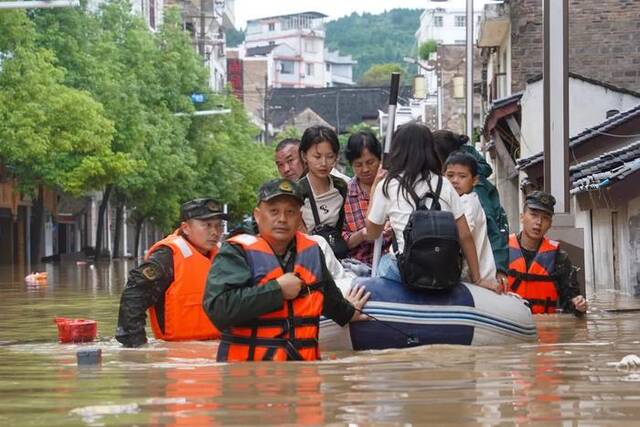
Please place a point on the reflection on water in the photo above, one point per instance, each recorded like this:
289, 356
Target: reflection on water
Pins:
565, 379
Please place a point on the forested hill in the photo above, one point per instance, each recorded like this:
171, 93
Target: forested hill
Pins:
374, 39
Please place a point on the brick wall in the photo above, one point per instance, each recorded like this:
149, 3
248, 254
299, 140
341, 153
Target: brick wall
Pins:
604, 41
452, 60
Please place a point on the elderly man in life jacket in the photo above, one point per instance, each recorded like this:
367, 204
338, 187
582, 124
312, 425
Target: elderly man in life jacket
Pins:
539, 270
266, 292
170, 282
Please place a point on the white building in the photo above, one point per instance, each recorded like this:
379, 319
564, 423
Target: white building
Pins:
151, 11
446, 23
207, 21
338, 69
295, 44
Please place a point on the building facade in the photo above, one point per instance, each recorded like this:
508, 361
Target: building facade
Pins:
604, 106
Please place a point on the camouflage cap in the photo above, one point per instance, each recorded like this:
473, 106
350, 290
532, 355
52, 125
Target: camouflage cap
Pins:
202, 208
279, 187
541, 201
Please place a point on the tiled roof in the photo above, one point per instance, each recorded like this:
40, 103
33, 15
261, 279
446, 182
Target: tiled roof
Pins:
605, 170
587, 134
261, 50
342, 107
593, 82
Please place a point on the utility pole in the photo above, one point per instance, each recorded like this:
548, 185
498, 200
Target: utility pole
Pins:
556, 101
469, 69
266, 108
202, 30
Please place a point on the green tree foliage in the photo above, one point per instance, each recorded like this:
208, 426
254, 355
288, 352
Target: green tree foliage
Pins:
380, 74
231, 165
50, 134
426, 49
89, 101
288, 132
374, 39
234, 38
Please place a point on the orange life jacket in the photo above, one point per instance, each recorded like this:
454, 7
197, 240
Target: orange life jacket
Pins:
290, 333
184, 317
537, 284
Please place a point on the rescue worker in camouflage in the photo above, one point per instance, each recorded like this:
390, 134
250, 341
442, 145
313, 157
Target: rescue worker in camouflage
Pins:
266, 292
170, 282
539, 270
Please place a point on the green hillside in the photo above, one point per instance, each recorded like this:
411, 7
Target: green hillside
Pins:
374, 39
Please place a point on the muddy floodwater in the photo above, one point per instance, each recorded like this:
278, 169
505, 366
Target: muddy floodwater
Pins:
568, 378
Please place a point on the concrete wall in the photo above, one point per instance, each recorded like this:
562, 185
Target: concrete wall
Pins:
588, 104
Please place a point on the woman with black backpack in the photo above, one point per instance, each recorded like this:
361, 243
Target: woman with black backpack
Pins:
424, 208
324, 194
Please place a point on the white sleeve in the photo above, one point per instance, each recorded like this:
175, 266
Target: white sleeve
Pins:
452, 199
378, 206
470, 212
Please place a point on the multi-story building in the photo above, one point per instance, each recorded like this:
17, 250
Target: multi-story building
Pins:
296, 44
207, 21
295, 47
338, 69
604, 107
445, 23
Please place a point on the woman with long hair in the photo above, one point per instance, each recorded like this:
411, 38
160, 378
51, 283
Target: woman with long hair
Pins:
324, 194
414, 170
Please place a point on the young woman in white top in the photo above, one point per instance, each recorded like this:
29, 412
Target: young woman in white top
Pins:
414, 165
319, 148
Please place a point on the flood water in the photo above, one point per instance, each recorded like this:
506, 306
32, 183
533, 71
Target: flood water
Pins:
565, 379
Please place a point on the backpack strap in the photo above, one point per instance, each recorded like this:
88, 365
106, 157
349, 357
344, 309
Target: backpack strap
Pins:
341, 185
308, 193
421, 202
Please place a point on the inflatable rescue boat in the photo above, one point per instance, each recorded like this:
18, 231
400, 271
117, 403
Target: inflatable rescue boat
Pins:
466, 315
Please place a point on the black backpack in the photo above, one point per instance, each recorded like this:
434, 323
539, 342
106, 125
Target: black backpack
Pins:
431, 256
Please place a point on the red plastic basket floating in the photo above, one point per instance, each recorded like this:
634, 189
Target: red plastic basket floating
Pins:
76, 330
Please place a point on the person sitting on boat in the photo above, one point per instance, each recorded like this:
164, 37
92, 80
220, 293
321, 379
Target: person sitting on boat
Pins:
266, 292
288, 159
461, 169
323, 193
363, 152
414, 169
497, 224
289, 163
539, 271
170, 282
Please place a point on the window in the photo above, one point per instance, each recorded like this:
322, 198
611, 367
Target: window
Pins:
309, 69
309, 45
272, 43
437, 21
328, 67
460, 21
272, 26
286, 67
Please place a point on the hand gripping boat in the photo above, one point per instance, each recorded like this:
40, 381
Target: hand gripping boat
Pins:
466, 315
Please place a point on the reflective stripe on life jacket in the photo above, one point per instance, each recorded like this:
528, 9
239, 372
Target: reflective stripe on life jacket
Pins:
537, 284
290, 333
184, 317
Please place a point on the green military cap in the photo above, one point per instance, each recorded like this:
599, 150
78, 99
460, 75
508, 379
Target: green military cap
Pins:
279, 187
202, 208
541, 201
